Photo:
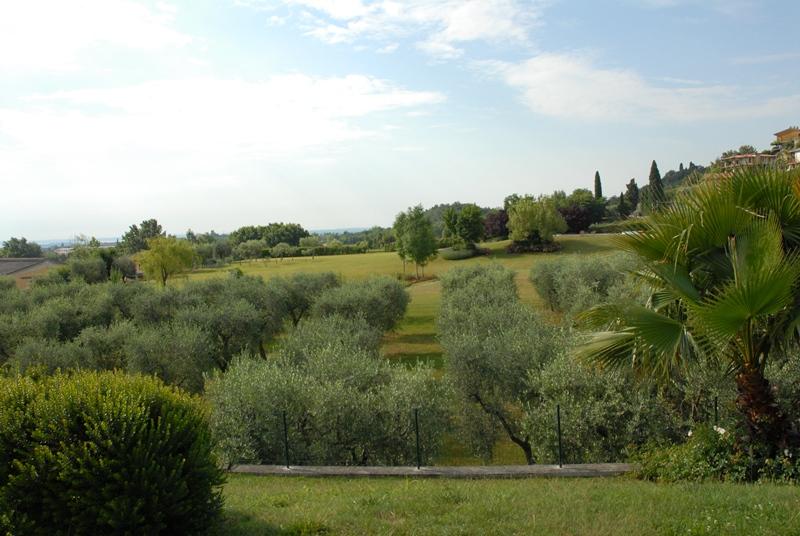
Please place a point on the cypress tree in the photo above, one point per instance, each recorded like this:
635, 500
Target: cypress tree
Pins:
623, 207
656, 186
598, 187
632, 194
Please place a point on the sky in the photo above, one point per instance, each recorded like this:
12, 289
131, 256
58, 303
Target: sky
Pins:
213, 114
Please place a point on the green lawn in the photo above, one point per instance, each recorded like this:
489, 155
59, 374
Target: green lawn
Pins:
289, 505
414, 340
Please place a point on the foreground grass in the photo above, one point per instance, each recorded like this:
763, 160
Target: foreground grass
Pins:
288, 505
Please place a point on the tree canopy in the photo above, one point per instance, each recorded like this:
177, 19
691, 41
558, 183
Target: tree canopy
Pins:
135, 239
20, 248
465, 226
165, 257
534, 221
415, 239
273, 234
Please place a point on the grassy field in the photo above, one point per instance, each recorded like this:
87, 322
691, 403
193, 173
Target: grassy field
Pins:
414, 340
283, 505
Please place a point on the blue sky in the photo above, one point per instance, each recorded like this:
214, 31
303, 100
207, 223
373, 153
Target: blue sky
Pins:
340, 113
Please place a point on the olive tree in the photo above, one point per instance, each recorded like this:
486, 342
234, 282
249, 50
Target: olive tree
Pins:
299, 291
381, 301
343, 403
492, 343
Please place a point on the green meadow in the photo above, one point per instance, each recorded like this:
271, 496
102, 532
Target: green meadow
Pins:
414, 340
598, 507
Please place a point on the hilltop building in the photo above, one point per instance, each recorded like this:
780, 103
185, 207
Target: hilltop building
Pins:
746, 160
787, 139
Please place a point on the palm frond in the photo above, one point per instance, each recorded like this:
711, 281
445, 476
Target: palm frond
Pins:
645, 339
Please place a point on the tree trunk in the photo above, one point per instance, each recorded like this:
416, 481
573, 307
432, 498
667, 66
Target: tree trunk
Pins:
522, 442
765, 420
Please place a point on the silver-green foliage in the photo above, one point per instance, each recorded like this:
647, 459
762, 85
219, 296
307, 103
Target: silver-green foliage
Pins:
510, 368
492, 343
572, 284
381, 301
603, 413
344, 404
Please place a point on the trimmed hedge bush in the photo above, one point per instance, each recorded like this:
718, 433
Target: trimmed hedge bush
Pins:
451, 254
105, 453
619, 226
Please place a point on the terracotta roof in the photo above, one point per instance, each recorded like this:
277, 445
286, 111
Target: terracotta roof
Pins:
786, 131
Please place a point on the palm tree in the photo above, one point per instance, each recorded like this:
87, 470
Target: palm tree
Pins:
723, 262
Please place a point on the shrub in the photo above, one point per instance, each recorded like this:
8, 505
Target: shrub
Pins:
103, 453
90, 269
381, 301
716, 453
450, 254
621, 226
7, 283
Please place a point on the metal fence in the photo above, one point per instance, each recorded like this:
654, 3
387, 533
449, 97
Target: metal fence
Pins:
419, 452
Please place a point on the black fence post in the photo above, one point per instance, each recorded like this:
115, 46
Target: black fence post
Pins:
285, 439
558, 429
416, 432
716, 411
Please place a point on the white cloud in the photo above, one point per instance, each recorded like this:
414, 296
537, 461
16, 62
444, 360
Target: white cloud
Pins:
571, 86
180, 135
388, 49
439, 26
52, 34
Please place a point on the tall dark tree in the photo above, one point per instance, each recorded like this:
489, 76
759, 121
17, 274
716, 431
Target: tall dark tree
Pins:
657, 195
20, 248
632, 194
598, 186
136, 238
496, 224
623, 207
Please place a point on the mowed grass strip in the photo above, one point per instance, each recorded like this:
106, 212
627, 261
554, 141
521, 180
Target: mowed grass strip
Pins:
289, 505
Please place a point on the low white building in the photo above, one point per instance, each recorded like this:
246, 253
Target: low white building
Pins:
795, 160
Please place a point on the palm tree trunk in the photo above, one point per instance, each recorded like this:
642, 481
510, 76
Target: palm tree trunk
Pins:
766, 422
